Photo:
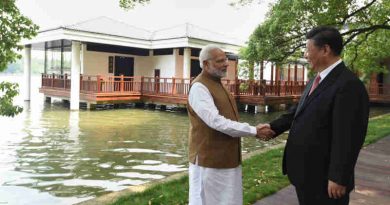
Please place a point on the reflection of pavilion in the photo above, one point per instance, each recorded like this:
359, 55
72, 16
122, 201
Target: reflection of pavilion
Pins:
114, 63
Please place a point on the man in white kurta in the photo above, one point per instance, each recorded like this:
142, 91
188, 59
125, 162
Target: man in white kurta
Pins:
213, 186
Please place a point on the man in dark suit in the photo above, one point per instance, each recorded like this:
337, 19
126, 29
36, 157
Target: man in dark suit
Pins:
327, 127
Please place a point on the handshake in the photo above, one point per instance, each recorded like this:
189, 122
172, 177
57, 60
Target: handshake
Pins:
264, 132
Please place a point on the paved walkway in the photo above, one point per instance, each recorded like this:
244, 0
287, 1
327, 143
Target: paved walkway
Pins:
372, 179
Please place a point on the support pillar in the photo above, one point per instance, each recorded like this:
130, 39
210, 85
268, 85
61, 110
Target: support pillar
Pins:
88, 106
261, 71
75, 76
260, 109
82, 56
187, 63
27, 72
289, 74
177, 66
272, 73
303, 73
296, 72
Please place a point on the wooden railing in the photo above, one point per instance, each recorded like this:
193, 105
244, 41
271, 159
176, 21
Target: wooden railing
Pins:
266, 87
379, 89
56, 81
169, 86
115, 84
179, 87
165, 86
88, 84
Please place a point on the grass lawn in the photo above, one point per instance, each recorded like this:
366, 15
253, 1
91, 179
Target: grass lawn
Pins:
262, 175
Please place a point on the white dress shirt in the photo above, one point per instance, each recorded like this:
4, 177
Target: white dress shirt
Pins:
203, 105
325, 72
211, 186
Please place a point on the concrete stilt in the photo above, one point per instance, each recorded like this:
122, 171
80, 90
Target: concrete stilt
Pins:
27, 72
261, 108
75, 77
187, 63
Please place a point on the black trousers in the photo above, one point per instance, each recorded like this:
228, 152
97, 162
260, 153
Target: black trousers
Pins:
313, 198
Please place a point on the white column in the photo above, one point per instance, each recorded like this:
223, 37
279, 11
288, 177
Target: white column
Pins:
75, 76
82, 56
27, 72
187, 63
176, 60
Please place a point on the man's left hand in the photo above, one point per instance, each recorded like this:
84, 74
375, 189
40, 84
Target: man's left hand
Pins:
335, 191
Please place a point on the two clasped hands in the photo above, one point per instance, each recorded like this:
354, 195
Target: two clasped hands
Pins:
264, 132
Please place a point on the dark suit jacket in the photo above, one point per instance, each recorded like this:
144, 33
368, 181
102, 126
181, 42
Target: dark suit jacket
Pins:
327, 131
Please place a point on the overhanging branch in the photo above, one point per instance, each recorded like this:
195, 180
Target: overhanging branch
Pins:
357, 11
355, 32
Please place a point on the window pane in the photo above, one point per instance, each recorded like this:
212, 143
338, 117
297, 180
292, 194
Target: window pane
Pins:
53, 57
67, 60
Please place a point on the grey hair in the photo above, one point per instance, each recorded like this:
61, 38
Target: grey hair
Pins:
205, 53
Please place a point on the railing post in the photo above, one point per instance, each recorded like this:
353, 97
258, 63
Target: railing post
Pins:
263, 87
122, 84
65, 77
81, 82
173, 86
52, 80
237, 87
156, 87
98, 81
142, 84
272, 77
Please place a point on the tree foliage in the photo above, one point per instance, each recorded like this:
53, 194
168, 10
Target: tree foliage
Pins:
364, 25
130, 4
7, 108
13, 28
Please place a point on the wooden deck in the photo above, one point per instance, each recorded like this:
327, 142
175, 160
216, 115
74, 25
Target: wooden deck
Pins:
122, 89
379, 93
371, 178
117, 89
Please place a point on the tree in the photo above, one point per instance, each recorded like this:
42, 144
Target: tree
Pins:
13, 27
130, 4
364, 25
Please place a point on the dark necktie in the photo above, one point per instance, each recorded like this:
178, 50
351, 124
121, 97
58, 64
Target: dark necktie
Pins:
315, 84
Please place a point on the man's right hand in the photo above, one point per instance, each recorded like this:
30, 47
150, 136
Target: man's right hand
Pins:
264, 132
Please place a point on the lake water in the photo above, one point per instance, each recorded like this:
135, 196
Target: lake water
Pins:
49, 155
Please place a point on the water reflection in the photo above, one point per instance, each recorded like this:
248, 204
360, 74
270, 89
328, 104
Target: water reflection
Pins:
74, 156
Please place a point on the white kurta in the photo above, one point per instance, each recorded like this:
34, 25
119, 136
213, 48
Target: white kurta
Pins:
210, 186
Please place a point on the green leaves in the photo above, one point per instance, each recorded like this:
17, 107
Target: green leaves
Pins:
9, 91
130, 4
363, 24
13, 28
